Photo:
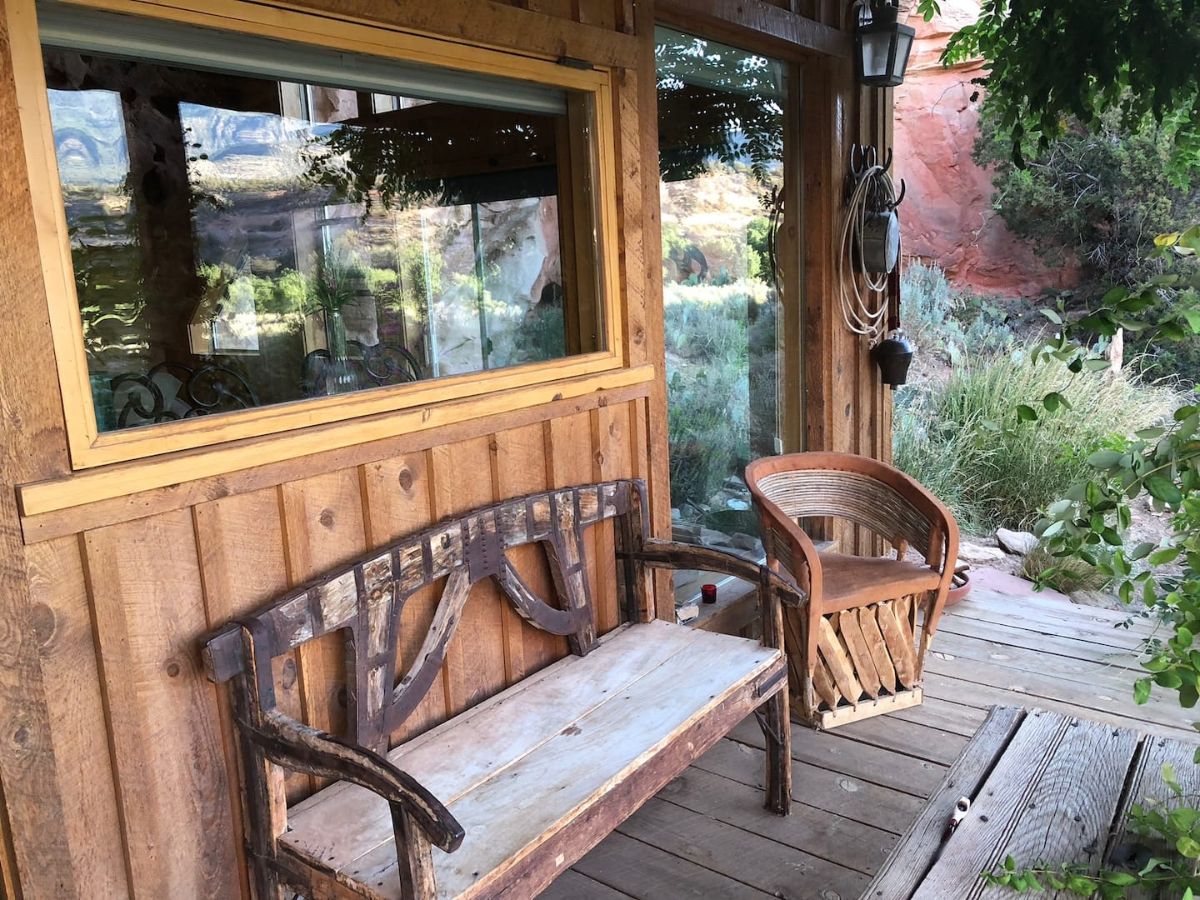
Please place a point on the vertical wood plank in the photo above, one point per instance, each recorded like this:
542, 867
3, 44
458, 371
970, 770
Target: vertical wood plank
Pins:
323, 527
62, 621
475, 664
36, 846
570, 454
398, 500
173, 785
244, 565
519, 467
613, 458
657, 474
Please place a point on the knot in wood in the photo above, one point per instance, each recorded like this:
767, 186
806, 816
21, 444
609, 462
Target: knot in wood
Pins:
406, 479
44, 623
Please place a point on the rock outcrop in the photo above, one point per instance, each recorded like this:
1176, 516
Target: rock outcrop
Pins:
947, 215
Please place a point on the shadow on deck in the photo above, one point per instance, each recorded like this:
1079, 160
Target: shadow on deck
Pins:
858, 788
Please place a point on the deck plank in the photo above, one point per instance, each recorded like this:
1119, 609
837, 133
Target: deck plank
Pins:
953, 875
644, 872
828, 791
916, 851
860, 787
910, 738
778, 869
851, 844
846, 756
1069, 813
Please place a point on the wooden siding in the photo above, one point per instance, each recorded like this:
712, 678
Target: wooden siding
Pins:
116, 759
124, 604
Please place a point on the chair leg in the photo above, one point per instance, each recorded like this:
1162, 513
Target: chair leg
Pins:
777, 729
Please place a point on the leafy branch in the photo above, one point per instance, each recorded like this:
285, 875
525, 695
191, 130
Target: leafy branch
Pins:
1048, 61
1090, 524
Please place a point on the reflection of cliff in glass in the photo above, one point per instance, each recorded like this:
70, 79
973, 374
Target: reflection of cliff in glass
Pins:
243, 241
720, 126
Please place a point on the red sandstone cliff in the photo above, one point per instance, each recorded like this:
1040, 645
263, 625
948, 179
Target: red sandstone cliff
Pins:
947, 215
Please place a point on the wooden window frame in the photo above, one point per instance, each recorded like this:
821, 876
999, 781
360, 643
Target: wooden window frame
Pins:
88, 446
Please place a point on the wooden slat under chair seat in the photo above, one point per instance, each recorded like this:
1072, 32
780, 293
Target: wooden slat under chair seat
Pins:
866, 662
1045, 789
523, 772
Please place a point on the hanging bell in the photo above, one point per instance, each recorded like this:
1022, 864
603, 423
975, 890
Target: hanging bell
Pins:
893, 356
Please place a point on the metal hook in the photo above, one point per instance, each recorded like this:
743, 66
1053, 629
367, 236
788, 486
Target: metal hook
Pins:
888, 160
900, 198
858, 159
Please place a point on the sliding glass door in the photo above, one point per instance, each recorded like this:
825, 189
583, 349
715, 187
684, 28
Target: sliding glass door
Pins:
721, 143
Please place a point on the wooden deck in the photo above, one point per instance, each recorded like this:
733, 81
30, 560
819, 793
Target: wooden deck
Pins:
857, 789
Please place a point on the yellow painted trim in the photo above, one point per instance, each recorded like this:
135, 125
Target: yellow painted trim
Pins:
87, 447
50, 222
203, 431
376, 39
130, 478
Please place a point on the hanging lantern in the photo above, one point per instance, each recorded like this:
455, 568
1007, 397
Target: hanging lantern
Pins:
882, 44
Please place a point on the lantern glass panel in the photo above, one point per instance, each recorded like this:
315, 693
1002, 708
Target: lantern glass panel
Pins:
875, 49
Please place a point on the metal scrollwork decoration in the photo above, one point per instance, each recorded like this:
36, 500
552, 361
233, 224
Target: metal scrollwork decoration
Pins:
172, 391
376, 365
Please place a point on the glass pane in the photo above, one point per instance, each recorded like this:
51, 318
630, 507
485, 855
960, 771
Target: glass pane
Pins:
240, 241
721, 145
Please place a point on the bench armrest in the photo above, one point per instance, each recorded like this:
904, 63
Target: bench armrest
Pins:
662, 554
297, 746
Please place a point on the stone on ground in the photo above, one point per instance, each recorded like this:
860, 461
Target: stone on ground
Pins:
1020, 543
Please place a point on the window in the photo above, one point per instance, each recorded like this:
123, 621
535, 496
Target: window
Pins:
721, 142
254, 222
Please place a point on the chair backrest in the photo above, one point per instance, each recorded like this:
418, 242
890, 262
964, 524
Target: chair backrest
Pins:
864, 491
364, 599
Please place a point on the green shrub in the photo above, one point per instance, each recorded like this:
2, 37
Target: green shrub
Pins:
1068, 574
709, 333
963, 440
945, 321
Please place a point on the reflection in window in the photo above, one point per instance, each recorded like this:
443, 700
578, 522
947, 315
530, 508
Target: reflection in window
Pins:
243, 240
721, 149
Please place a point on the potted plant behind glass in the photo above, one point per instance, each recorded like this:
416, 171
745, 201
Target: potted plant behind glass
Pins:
335, 285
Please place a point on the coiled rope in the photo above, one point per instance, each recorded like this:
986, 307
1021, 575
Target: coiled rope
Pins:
864, 314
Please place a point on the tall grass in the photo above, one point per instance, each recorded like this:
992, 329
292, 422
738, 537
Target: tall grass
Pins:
962, 440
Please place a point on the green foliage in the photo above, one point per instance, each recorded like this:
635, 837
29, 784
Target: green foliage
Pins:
739, 117
1050, 61
1090, 523
335, 283
709, 334
1098, 194
995, 466
1066, 575
944, 321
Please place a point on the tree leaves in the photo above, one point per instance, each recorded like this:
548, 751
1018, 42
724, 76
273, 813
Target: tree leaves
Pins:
1051, 60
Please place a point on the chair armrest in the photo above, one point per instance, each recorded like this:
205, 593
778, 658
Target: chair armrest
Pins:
297, 746
662, 554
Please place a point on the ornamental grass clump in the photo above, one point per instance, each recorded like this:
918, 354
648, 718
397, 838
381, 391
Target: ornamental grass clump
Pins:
972, 441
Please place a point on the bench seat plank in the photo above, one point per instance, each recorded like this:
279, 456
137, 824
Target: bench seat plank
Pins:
528, 766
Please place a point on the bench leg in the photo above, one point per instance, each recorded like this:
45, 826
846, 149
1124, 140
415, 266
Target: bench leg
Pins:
777, 729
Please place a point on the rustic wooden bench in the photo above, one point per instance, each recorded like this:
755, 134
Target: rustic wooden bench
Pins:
1046, 789
514, 790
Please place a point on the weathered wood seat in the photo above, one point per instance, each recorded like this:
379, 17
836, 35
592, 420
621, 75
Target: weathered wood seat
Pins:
514, 790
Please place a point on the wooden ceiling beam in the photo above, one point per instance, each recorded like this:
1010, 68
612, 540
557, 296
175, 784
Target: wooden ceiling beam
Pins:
775, 30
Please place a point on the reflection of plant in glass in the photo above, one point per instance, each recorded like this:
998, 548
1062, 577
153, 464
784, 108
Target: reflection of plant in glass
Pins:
736, 115
335, 284
708, 403
369, 164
